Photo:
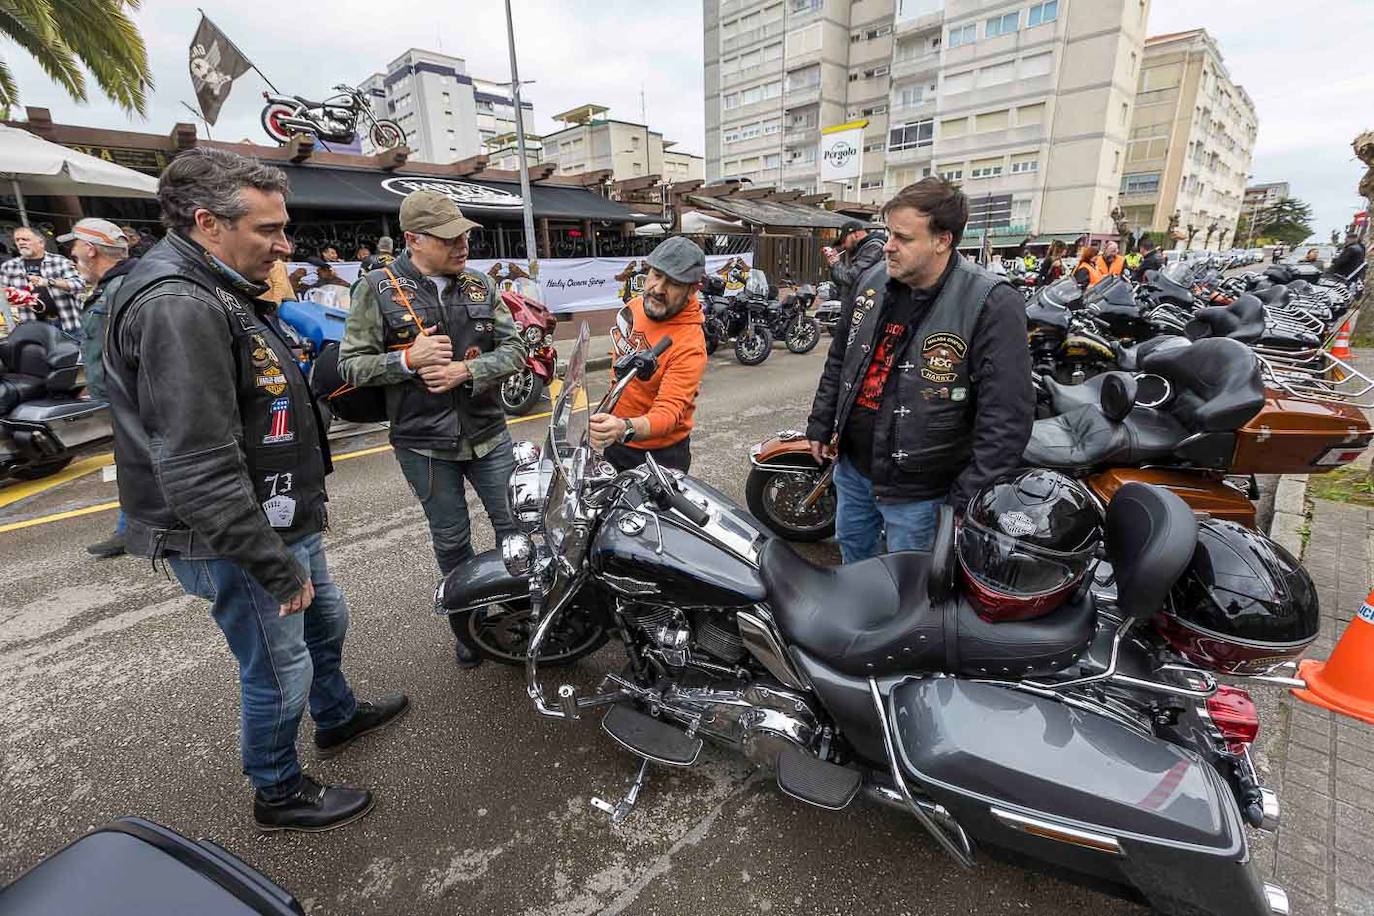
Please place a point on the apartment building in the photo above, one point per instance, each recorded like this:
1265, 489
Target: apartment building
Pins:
1026, 103
1259, 196
1192, 139
447, 114
591, 141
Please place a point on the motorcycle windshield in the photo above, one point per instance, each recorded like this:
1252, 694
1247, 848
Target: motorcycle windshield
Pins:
568, 448
1064, 293
757, 284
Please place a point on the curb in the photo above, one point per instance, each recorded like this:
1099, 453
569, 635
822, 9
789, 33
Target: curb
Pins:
1290, 513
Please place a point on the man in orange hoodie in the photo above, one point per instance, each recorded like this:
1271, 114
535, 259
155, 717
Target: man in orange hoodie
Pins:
655, 414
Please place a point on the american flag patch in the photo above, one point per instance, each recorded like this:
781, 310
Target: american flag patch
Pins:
280, 429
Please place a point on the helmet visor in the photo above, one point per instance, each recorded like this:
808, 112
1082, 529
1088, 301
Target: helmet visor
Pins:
1011, 567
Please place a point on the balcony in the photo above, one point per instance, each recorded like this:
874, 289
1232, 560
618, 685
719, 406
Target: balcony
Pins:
792, 171
751, 36
915, 66
800, 98
910, 155
923, 109
795, 136
918, 23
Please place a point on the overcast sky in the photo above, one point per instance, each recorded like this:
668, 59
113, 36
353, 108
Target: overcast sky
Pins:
1302, 68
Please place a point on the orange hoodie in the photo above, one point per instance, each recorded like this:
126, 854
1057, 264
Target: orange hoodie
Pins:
669, 398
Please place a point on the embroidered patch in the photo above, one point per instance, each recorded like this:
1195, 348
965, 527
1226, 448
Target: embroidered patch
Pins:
398, 284
279, 430
475, 291
280, 506
472, 353
958, 394
942, 353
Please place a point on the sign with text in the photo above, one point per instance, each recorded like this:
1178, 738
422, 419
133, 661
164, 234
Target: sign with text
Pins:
841, 151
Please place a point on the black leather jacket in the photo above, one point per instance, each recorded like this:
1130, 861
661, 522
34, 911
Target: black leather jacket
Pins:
854, 264
219, 445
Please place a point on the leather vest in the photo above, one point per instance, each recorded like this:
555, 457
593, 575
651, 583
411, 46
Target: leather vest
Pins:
925, 421
467, 314
281, 435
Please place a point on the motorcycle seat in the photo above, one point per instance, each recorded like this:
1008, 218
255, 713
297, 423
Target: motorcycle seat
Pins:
1086, 438
1133, 359
1242, 320
876, 617
306, 102
16, 388
1272, 295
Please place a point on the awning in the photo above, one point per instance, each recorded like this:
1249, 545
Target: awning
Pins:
759, 212
974, 240
1048, 237
320, 188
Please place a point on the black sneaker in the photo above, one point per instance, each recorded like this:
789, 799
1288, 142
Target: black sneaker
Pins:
313, 808
112, 546
369, 718
465, 652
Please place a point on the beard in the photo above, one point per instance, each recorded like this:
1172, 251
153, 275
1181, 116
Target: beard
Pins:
660, 310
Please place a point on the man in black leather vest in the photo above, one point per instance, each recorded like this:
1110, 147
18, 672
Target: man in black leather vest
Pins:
926, 395
440, 340
222, 461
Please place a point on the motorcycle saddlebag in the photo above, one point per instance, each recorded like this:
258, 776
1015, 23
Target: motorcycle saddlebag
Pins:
356, 405
136, 866
1043, 781
478, 582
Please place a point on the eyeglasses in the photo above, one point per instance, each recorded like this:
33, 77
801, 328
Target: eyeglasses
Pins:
448, 243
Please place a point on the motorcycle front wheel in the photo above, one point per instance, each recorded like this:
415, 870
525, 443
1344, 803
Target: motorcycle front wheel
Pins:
272, 114
387, 135
775, 498
520, 392
755, 348
803, 335
715, 333
503, 632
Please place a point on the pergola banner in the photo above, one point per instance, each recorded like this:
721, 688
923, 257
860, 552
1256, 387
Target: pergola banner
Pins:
842, 151
569, 284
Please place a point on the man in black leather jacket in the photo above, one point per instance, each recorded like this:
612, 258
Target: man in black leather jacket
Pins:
859, 248
222, 460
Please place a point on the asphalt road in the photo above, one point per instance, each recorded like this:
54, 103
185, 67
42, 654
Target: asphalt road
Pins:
119, 696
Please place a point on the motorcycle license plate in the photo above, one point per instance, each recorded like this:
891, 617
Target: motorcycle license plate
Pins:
1334, 457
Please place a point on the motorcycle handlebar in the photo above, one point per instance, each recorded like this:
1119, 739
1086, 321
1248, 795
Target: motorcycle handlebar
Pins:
664, 343
694, 513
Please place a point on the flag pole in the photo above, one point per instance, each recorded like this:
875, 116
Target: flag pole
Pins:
199, 116
531, 245
252, 66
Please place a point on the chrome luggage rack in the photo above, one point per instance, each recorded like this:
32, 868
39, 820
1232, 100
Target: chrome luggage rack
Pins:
1316, 375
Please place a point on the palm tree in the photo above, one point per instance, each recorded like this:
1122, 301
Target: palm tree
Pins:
65, 36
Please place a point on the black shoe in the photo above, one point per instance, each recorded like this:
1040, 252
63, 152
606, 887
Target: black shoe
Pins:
112, 546
369, 718
313, 808
464, 649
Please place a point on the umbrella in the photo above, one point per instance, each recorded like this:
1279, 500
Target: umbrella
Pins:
51, 169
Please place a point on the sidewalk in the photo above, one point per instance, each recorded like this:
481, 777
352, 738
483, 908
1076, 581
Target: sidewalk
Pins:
1321, 763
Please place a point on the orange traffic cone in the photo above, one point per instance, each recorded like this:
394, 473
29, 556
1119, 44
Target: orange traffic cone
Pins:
1341, 348
1345, 681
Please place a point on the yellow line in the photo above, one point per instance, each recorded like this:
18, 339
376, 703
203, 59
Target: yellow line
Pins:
74, 513
13, 494
108, 459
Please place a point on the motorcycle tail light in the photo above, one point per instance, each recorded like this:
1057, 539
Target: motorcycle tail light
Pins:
1233, 713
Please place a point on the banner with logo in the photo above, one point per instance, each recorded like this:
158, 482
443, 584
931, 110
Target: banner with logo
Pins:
841, 152
568, 284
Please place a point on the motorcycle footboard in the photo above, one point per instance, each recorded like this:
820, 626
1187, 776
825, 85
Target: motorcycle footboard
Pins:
478, 582
1043, 780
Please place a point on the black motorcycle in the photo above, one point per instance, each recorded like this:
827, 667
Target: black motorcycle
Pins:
1084, 741
828, 309
744, 318
335, 120
789, 322
44, 421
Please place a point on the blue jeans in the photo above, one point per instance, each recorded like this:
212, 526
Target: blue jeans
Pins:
282, 660
860, 519
438, 485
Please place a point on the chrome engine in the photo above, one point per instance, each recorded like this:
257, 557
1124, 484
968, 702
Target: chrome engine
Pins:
758, 719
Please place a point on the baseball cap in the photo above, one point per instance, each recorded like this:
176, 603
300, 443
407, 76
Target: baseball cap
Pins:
849, 228
680, 258
434, 214
97, 232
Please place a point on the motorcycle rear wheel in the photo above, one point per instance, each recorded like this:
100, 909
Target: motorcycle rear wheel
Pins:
804, 334
752, 350
270, 115
774, 498
42, 469
505, 636
388, 135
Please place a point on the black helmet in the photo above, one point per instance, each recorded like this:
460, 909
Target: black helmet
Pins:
1025, 544
1243, 606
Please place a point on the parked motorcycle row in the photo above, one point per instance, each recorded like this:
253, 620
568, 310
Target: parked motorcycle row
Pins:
881, 679
757, 316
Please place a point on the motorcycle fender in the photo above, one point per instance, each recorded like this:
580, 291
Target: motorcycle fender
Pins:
478, 582
789, 443
1038, 778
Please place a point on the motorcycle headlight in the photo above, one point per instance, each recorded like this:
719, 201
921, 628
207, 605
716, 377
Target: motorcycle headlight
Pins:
517, 553
527, 489
533, 334
548, 340
525, 453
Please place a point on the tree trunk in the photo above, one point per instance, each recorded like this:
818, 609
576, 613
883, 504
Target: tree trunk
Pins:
1364, 324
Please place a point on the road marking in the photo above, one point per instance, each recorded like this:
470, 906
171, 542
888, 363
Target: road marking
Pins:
99, 461
12, 494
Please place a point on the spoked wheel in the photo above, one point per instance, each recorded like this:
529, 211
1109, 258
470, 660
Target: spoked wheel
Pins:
520, 392
775, 498
503, 633
803, 335
271, 121
387, 135
754, 348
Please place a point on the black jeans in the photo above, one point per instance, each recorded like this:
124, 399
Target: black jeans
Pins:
678, 456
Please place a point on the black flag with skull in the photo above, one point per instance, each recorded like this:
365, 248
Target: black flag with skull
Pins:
215, 64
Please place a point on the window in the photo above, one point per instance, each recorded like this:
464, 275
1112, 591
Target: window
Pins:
771, 127
1037, 65
772, 90
1041, 13
959, 82
731, 100
1028, 115
870, 184
910, 96
997, 74
1149, 142
912, 136
963, 35
1025, 162
877, 146
771, 161
730, 136
908, 50
1140, 183
804, 40
951, 172
805, 6
991, 120
954, 127
773, 51
1002, 25
751, 95
985, 168
875, 110
805, 78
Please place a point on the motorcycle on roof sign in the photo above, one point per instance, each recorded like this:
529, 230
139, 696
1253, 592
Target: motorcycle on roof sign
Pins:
464, 193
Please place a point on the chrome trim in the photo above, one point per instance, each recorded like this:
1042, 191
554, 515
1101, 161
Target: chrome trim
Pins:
758, 638
1269, 803
1277, 898
963, 851
1047, 829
